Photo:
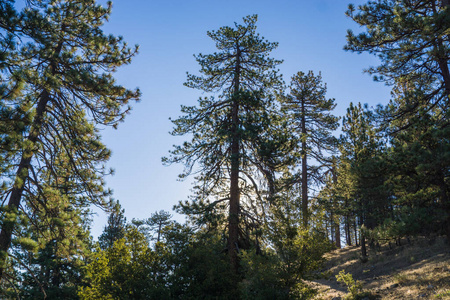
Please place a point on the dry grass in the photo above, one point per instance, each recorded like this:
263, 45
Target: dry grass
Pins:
420, 270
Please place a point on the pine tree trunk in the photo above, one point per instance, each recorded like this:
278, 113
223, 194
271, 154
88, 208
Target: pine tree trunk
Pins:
443, 66
332, 227
442, 57
233, 225
348, 236
304, 169
362, 239
363, 247
21, 178
233, 218
337, 232
337, 225
159, 232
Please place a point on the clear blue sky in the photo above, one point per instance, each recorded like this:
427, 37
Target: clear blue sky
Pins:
311, 35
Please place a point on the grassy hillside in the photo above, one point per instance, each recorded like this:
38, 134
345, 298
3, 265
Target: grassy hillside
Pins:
419, 269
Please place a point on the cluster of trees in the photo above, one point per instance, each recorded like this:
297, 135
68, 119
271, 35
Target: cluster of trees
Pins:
275, 188
391, 178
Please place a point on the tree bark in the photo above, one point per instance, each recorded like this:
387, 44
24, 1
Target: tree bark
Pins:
332, 227
159, 232
233, 218
304, 169
442, 58
362, 238
337, 232
363, 248
337, 228
443, 66
348, 235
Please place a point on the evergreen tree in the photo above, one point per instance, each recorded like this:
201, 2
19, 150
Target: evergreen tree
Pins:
52, 236
363, 170
129, 269
56, 270
311, 123
154, 225
224, 129
157, 222
420, 160
411, 39
331, 202
298, 250
115, 228
66, 67
183, 265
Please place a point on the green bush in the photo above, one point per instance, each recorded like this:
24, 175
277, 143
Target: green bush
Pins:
353, 287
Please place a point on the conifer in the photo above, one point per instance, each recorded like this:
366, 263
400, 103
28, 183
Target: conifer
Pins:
66, 67
224, 128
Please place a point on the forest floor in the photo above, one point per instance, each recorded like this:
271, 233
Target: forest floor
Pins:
416, 270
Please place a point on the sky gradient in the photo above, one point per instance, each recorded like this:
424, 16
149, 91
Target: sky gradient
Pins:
311, 36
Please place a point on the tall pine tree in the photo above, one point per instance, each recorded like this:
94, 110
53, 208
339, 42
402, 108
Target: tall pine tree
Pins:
311, 123
242, 75
66, 66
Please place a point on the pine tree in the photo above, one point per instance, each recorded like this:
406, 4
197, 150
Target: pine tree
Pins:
127, 270
55, 271
311, 124
420, 159
154, 225
298, 250
115, 228
66, 68
52, 236
330, 200
411, 39
223, 129
363, 170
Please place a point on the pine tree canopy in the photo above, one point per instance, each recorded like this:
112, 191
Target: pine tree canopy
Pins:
65, 64
411, 38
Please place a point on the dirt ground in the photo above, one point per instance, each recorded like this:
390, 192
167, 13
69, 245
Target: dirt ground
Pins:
419, 269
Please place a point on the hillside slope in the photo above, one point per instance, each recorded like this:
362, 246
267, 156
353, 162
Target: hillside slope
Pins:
419, 269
